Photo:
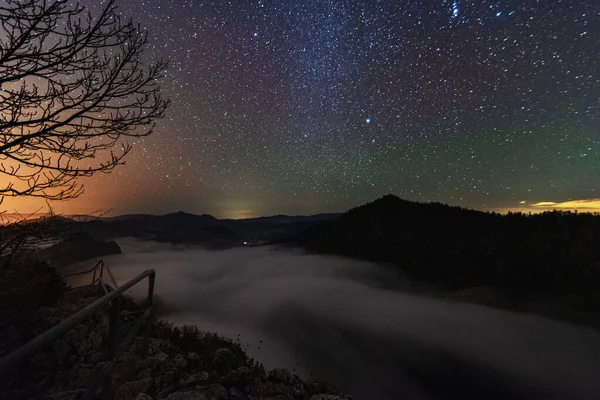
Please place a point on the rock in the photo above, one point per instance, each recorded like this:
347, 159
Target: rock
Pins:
329, 397
224, 360
143, 396
278, 397
69, 395
215, 391
211, 392
161, 357
61, 350
316, 387
239, 377
168, 378
187, 395
81, 375
128, 369
263, 388
196, 378
281, 375
133, 368
156, 346
179, 364
193, 360
130, 390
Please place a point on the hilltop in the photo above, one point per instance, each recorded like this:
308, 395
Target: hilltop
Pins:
457, 248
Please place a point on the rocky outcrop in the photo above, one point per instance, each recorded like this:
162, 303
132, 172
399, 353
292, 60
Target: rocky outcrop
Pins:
27, 287
76, 363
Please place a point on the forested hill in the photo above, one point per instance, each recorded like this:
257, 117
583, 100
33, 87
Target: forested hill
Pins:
456, 247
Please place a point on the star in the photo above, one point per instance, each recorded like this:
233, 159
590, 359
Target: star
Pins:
478, 104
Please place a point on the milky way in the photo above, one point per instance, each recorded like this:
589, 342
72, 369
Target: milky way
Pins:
310, 106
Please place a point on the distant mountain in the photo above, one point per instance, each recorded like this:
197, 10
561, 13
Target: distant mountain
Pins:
172, 218
287, 219
213, 236
206, 230
180, 228
457, 247
276, 229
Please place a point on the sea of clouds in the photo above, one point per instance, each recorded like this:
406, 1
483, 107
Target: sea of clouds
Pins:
351, 323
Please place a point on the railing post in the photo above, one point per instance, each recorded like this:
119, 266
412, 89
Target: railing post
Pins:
148, 324
101, 265
112, 327
101, 269
151, 278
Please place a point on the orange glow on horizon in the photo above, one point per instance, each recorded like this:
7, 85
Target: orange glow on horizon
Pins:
111, 195
589, 205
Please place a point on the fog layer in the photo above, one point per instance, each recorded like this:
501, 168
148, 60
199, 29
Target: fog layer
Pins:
328, 316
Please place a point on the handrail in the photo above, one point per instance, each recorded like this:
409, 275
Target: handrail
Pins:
46, 338
100, 275
99, 263
112, 278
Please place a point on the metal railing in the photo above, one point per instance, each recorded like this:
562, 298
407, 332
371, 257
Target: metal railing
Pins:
98, 276
113, 297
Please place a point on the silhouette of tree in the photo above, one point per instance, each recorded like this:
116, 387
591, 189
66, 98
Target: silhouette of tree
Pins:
74, 87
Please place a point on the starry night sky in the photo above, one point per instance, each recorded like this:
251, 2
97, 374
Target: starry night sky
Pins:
301, 107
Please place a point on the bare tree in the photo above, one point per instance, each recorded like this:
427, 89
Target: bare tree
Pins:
73, 88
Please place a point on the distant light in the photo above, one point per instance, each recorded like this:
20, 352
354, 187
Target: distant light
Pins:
368, 120
499, 13
245, 243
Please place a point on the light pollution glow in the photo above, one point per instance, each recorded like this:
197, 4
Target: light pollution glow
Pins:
103, 203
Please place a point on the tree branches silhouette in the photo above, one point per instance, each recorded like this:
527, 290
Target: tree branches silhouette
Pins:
73, 88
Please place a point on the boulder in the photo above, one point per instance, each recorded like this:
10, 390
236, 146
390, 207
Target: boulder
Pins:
281, 375
130, 390
193, 360
239, 377
264, 388
193, 379
210, 392
224, 360
328, 397
179, 364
